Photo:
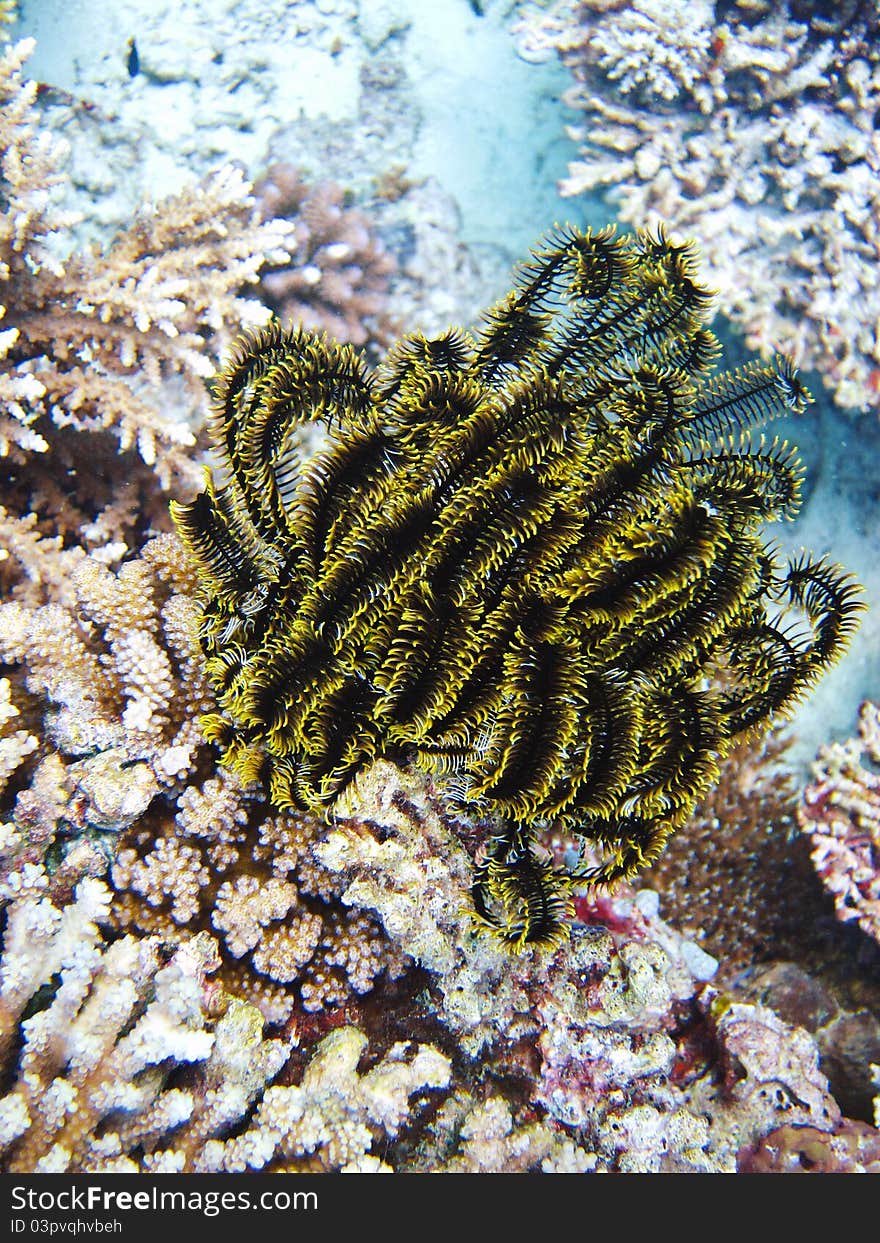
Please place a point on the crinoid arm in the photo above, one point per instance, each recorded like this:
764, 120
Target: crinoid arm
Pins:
529, 559
519, 898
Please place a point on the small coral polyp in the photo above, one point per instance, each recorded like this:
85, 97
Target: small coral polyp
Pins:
528, 560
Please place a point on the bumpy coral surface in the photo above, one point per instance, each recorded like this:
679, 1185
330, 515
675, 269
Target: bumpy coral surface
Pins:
531, 558
618, 1037
92, 1088
111, 659
751, 127
840, 812
337, 276
101, 714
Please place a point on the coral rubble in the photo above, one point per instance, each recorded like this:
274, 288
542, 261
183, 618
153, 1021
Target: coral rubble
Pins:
532, 558
749, 126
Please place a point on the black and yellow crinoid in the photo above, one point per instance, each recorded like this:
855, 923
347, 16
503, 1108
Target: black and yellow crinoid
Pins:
529, 559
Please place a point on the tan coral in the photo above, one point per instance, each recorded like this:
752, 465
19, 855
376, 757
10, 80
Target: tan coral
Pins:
89, 1091
247, 875
738, 878
337, 276
91, 340
35, 566
335, 1112
491, 1142
120, 684
15, 744
112, 666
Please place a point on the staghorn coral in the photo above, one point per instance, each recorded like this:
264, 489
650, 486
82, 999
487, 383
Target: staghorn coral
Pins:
337, 276
35, 568
114, 343
751, 127
87, 1055
840, 813
92, 1088
531, 558
614, 1037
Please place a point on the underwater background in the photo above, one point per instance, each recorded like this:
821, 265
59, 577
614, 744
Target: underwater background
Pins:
196, 980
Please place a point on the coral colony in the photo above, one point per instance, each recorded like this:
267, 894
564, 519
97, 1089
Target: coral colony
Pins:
471, 630
530, 559
749, 124
337, 278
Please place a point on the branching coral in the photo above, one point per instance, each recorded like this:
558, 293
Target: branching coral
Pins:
335, 1113
110, 342
87, 1054
223, 864
531, 558
751, 127
840, 812
36, 568
612, 1054
337, 276
111, 662
108, 686
490, 1141
92, 1089
123, 772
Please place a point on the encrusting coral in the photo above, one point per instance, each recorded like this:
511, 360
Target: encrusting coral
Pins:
748, 124
618, 1036
337, 277
840, 813
531, 558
